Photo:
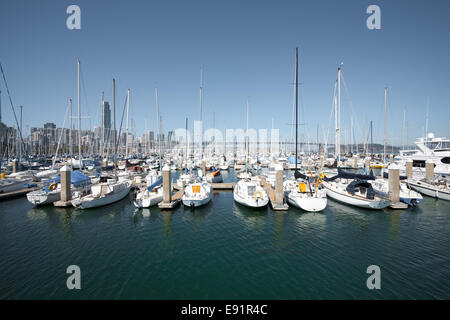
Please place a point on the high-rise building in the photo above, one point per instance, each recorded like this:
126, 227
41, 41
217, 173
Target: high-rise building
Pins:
106, 120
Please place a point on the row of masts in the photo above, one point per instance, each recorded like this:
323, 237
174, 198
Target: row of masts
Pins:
337, 112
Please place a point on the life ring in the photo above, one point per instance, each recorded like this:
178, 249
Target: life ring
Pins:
52, 187
256, 194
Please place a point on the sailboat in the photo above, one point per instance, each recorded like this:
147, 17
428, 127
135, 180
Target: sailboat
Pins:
436, 188
301, 192
198, 193
113, 190
152, 194
51, 192
354, 189
407, 194
248, 191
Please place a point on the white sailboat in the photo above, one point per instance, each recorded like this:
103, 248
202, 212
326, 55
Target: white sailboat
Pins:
407, 195
13, 184
108, 192
301, 192
304, 195
439, 189
355, 190
80, 185
103, 193
249, 192
197, 194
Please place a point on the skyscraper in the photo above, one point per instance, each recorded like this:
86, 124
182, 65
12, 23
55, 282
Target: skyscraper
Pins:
106, 120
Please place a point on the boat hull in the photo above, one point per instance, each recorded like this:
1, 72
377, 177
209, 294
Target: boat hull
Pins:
194, 203
430, 191
252, 203
310, 204
102, 201
357, 202
40, 198
146, 202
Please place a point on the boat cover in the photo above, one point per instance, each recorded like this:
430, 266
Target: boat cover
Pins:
76, 178
351, 188
154, 185
348, 175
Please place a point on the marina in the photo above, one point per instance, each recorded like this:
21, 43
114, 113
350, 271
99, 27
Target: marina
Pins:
206, 152
152, 253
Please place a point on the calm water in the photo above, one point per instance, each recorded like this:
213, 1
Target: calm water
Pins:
224, 251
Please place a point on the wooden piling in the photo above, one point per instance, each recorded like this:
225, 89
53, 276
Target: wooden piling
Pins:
429, 169
66, 193
279, 194
167, 194
409, 169
15, 166
394, 183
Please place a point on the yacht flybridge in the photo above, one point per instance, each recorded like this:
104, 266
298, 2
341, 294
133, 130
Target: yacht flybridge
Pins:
429, 148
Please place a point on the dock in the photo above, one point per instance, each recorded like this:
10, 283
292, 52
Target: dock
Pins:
17, 193
223, 185
272, 197
398, 205
176, 199
62, 204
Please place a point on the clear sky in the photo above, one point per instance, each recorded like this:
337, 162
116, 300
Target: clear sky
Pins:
247, 49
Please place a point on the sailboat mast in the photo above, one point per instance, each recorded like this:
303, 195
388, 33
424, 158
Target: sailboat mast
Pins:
103, 124
70, 131
201, 101
126, 138
20, 140
338, 129
159, 126
371, 138
114, 115
186, 155
426, 122
79, 116
296, 107
246, 142
384, 142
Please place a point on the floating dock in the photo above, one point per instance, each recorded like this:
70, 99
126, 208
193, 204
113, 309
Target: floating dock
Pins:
17, 193
176, 199
223, 186
398, 205
272, 197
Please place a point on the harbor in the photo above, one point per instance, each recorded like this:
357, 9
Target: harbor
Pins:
198, 152
224, 251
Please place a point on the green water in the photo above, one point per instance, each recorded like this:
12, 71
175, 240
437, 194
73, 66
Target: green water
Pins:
224, 251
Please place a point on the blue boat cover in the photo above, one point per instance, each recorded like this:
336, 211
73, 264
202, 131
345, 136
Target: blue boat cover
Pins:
154, 185
76, 178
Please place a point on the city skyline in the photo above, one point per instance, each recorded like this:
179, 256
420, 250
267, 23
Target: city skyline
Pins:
237, 63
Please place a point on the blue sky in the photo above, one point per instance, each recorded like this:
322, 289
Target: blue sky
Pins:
247, 49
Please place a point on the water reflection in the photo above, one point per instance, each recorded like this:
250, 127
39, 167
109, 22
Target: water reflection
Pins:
251, 217
58, 218
309, 220
167, 218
